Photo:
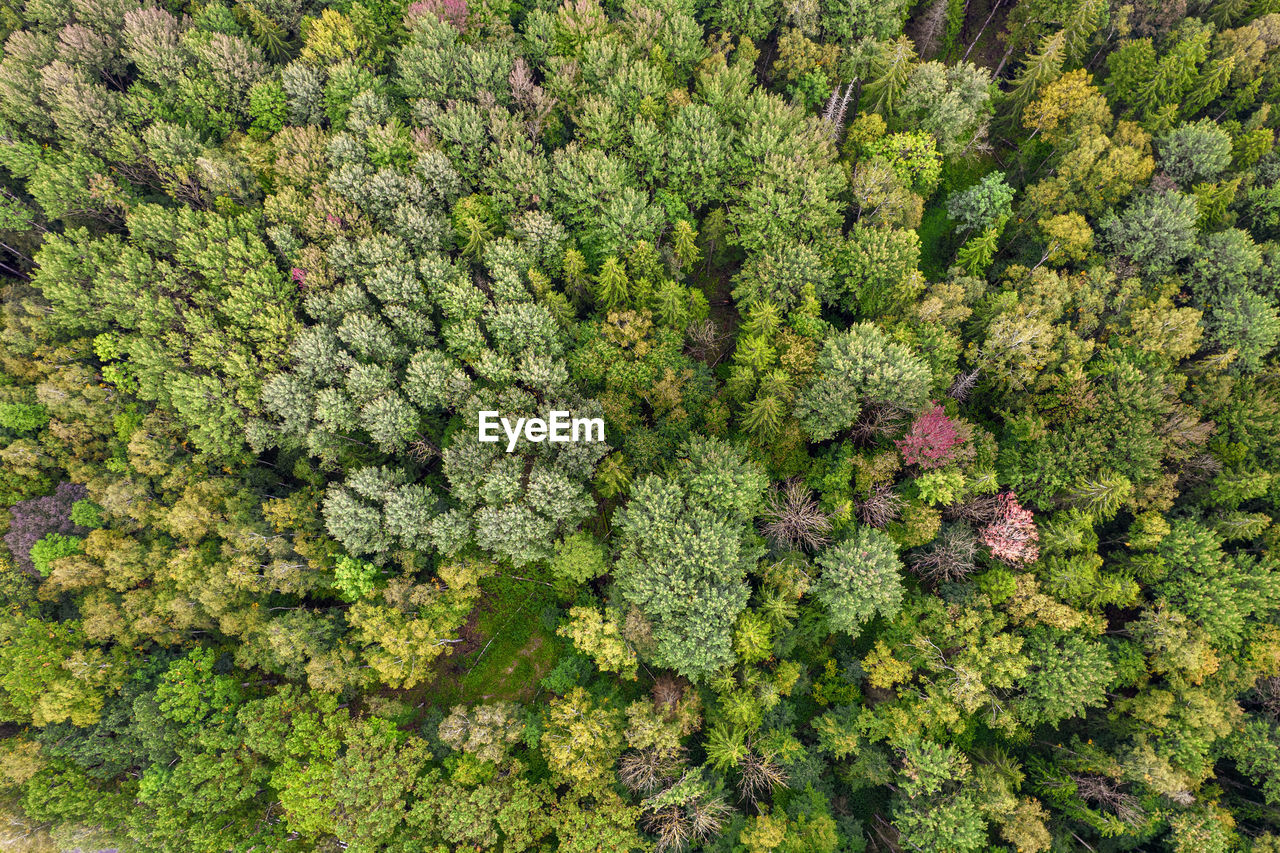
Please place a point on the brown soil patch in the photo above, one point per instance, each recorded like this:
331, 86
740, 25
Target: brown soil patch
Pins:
472, 639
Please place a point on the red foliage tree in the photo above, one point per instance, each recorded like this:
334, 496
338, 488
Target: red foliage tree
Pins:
450, 11
1012, 537
36, 518
931, 440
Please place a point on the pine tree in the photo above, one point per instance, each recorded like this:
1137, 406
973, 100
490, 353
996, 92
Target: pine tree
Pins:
861, 577
890, 72
685, 243
763, 417
859, 367
611, 284
1038, 70
1102, 498
976, 255
685, 551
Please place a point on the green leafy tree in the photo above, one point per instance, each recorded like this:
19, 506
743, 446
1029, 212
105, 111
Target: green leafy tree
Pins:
1194, 152
1156, 232
857, 368
986, 203
51, 673
204, 311
685, 549
935, 808
785, 276
1068, 675
1247, 325
876, 271
861, 578
52, 547
582, 738
600, 637
951, 102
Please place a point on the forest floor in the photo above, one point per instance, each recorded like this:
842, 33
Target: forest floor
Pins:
936, 238
723, 313
977, 41
506, 648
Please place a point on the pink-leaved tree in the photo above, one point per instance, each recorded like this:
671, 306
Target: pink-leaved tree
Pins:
450, 11
931, 441
1012, 536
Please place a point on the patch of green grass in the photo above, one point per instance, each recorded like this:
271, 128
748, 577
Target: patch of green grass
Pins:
515, 648
937, 242
962, 174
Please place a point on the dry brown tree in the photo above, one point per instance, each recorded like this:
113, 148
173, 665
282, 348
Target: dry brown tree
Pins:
880, 507
951, 557
647, 770
759, 776
1105, 793
878, 420
795, 519
684, 814
670, 825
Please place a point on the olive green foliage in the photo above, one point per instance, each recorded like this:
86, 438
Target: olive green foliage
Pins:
860, 578
935, 346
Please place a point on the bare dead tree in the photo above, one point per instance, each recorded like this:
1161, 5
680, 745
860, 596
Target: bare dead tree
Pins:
759, 776
877, 420
836, 108
1199, 469
708, 816
980, 510
1106, 794
423, 450
1183, 429
697, 819
951, 557
667, 692
531, 98
886, 839
881, 507
704, 341
671, 826
994, 8
795, 519
963, 385
932, 25
1268, 690
647, 770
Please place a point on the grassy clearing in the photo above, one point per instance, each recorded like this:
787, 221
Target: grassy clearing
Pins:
939, 240
937, 236
508, 649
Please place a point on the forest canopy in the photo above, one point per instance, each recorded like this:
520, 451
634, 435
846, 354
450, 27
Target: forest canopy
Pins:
935, 348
